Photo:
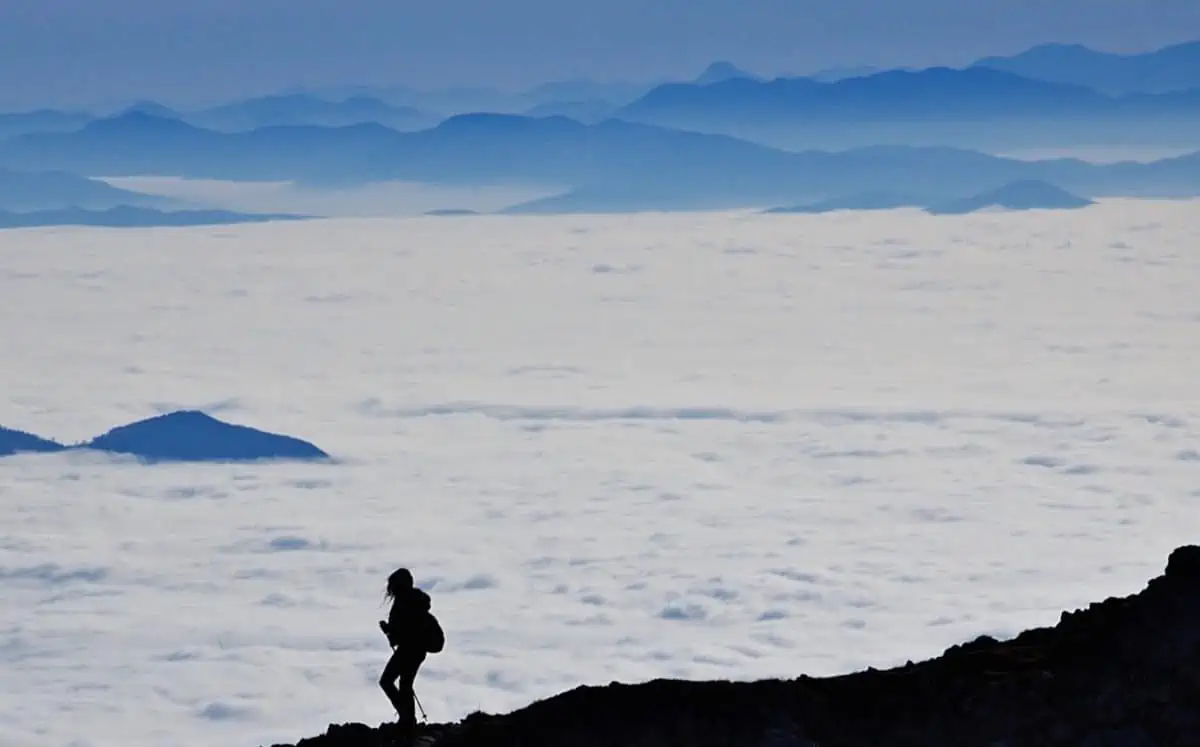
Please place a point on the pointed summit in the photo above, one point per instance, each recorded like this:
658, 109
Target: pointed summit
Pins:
723, 70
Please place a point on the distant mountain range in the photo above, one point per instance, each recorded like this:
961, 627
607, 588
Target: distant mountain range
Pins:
727, 138
614, 164
1047, 82
1171, 68
250, 114
938, 93
975, 107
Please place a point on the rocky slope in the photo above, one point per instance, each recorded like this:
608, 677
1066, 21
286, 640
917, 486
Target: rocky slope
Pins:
1124, 672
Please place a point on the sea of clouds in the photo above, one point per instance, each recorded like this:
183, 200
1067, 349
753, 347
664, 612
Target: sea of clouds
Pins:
612, 448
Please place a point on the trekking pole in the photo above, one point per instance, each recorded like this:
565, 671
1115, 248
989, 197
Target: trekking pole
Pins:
419, 707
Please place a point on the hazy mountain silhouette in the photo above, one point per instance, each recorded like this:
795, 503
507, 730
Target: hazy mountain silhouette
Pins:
454, 101
135, 143
125, 216
1171, 68
466, 148
1025, 194
149, 108
44, 190
19, 442
42, 120
591, 111
938, 93
612, 165
877, 177
579, 89
304, 109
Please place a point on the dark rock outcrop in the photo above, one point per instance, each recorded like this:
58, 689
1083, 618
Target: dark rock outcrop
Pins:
1124, 672
19, 442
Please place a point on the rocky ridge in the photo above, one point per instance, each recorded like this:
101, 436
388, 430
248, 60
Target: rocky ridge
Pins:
1124, 672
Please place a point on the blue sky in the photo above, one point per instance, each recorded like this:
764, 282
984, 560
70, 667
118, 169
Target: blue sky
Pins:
61, 51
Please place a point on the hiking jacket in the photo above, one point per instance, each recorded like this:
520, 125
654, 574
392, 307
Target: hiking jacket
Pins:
406, 621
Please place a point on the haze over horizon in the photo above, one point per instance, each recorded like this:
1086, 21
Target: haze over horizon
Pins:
73, 53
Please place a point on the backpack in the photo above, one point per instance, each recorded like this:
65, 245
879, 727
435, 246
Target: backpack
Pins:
435, 637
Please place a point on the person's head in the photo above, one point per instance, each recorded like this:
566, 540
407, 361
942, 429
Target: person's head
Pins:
400, 581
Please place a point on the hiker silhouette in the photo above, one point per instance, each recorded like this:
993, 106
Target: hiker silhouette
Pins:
413, 632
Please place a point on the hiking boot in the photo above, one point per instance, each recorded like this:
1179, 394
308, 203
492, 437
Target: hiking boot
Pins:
396, 734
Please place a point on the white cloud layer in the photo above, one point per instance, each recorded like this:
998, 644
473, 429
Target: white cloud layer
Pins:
628, 447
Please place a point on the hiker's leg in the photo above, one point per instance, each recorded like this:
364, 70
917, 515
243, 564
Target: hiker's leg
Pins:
408, 675
395, 668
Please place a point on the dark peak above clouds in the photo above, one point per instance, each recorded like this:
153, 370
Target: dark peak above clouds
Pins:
1022, 194
179, 436
195, 436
